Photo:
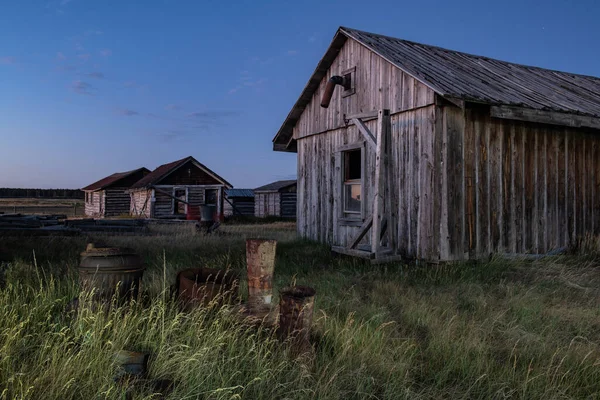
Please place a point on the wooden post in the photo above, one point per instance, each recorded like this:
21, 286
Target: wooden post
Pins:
380, 173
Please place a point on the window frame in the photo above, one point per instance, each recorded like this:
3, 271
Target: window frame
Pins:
352, 90
344, 217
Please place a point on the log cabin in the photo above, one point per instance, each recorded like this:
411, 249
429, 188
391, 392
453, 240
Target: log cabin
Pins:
276, 199
108, 197
411, 151
167, 191
239, 202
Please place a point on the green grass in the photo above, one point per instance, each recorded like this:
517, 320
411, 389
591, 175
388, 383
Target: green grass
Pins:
502, 329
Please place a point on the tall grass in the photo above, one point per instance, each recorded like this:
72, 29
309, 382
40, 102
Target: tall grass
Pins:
497, 330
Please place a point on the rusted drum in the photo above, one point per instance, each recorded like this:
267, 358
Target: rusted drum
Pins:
193, 213
199, 286
207, 213
110, 271
296, 305
260, 259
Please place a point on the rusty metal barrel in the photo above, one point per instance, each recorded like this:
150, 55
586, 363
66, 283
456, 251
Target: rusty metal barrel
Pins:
200, 286
260, 260
110, 271
296, 305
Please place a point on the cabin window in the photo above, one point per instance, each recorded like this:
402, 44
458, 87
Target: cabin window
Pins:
352, 191
211, 197
87, 197
349, 75
179, 207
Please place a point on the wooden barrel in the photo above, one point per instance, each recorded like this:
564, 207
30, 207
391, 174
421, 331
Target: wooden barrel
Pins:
200, 286
110, 271
260, 260
296, 304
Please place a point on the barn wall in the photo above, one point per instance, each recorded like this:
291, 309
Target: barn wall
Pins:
379, 85
288, 204
140, 203
243, 205
267, 204
523, 187
412, 183
117, 202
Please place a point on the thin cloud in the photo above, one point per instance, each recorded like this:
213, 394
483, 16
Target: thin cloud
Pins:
105, 52
173, 107
60, 56
292, 52
7, 60
96, 75
82, 87
85, 56
127, 112
312, 38
211, 115
65, 2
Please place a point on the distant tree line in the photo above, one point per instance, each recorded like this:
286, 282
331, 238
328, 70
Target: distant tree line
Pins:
41, 193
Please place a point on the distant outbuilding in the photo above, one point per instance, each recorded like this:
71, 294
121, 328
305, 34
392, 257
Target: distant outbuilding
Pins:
277, 199
239, 202
108, 197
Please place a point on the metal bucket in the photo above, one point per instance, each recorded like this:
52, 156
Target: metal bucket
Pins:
207, 213
260, 259
200, 286
296, 305
110, 271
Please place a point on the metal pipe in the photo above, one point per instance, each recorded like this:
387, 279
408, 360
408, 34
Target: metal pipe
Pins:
334, 80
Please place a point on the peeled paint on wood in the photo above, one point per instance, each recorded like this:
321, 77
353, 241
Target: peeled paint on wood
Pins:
260, 259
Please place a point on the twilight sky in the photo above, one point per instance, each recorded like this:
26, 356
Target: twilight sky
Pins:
92, 87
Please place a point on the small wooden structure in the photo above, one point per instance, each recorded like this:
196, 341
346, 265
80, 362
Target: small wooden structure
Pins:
432, 154
108, 197
239, 202
168, 190
277, 199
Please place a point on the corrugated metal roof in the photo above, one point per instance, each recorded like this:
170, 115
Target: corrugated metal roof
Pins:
112, 179
230, 193
275, 186
461, 76
162, 171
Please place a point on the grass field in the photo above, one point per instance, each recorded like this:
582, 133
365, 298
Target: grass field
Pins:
69, 207
528, 330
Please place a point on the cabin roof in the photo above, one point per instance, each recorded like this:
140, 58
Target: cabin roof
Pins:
231, 193
161, 172
112, 180
461, 76
275, 186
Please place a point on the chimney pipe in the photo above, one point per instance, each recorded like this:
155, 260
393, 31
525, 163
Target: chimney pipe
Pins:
334, 80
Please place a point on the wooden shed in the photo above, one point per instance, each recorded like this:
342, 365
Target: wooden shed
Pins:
154, 196
108, 197
277, 199
239, 202
433, 154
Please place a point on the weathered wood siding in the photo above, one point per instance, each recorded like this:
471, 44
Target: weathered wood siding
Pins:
412, 183
516, 187
141, 203
116, 202
267, 204
243, 205
95, 206
288, 204
379, 85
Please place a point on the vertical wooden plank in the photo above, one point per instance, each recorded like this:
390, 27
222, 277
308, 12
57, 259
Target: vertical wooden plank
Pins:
402, 167
508, 189
454, 169
589, 175
541, 191
551, 216
483, 210
442, 197
529, 148
579, 179
378, 194
414, 179
426, 122
495, 188
570, 198
519, 187
596, 188
561, 188
470, 185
